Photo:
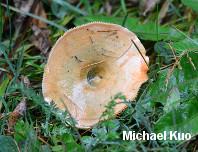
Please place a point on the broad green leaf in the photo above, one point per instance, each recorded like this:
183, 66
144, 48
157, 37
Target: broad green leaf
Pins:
184, 45
186, 80
7, 144
45, 148
21, 128
57, 148
172, 100
144, 31
193, 4
73, 146
183, 119
183, 116
66, 138
189, 65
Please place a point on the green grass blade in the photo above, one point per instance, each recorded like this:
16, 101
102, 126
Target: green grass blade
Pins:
87, 6
125, 18
10, 26
71, 7
37, 17
142, 56
2, 125
140, 53
175, 10
157, 30
186, 35
123, 5
19, 64
193, 4
1, 22
7, 59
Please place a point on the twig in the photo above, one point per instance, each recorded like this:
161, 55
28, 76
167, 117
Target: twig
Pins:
44, 142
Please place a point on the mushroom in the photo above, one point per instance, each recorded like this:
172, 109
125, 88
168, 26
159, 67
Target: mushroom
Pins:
88, 65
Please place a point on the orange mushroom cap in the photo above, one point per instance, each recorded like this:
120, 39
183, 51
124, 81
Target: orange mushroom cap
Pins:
88, 65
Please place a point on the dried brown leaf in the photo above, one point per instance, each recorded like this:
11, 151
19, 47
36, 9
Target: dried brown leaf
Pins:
39, 11
24, 5
26, 82
147, 6
17, 113
20, 24
40, 40
163, 12
21, 107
